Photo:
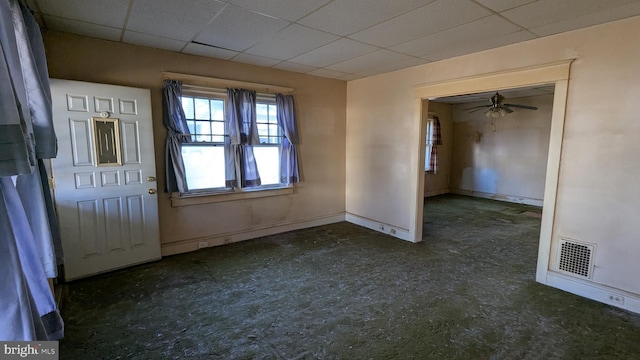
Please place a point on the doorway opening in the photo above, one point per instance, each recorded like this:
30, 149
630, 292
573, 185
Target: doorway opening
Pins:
488, 150
556, 74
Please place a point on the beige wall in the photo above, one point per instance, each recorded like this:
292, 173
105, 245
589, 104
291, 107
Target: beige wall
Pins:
320, 105
504, 158
598, 198
435, 184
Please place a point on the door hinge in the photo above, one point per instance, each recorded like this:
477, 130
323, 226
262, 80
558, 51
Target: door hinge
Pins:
52, 183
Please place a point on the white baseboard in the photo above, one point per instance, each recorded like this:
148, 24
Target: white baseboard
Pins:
500, 197
193, 244
388, 229
604, 294
436, 192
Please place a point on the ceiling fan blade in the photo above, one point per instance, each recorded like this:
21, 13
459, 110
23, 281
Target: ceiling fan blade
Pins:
522, 106
507, 109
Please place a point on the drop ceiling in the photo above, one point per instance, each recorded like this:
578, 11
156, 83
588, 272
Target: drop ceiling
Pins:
341, 39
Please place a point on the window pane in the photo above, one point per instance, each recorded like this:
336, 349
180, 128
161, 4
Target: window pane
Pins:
217, 128
202, 109
204, 166
268, 161
217, 109
273, 113
262, 114
203, 128
273, 130
192, 126
187, 106
263, 130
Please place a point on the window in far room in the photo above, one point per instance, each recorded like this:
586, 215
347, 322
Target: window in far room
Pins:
429, 144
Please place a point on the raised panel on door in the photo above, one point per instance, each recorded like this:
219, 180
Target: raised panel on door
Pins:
130, 142
108, 217
136, 210
81, 142
113, 220
88, 226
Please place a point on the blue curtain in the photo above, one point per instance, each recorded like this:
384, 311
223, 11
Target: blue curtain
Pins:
27, 257
177, 134
243, 134
289, 171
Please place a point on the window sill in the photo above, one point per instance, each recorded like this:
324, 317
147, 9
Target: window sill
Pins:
178, 199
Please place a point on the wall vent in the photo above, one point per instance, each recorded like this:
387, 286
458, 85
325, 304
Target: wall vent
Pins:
575, 258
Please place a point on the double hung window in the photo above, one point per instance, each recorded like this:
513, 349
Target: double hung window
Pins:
205, 156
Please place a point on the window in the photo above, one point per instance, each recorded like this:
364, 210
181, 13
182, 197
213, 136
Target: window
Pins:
204, 156
267, 154
429, 141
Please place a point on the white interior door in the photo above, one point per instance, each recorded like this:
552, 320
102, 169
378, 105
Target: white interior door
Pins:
104, 174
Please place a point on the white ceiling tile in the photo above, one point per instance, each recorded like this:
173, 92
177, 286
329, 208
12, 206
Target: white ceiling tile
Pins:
610, 14
203, 50
337, 51
369, 61
132, 37
291, 42
502, 5
289, 66
283, 9
83, 28
255, 60
393, 66
102, 12
458, 37
172, 19
481, 45
545, 12
350, 77
429, 19
344, 17
327, 73
238, 29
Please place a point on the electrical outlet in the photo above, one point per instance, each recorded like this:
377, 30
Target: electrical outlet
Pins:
615, 298
203, 244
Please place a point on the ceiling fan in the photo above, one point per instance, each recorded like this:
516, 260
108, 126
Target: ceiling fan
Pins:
497, 109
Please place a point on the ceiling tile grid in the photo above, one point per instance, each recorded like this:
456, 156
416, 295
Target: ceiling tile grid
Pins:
340, 39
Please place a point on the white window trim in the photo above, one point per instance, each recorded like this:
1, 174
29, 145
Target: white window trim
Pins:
212, 86
207, 197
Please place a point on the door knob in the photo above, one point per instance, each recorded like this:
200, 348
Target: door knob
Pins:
152, 191
151, 178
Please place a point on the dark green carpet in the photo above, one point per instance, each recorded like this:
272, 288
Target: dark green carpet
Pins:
344, 292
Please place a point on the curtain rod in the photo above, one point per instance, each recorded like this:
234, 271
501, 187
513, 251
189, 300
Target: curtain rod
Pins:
197, 80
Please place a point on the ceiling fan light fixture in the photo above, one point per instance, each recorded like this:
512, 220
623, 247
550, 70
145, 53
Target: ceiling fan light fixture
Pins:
495, 113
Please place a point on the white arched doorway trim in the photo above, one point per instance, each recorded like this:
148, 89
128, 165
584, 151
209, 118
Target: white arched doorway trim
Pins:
552, 73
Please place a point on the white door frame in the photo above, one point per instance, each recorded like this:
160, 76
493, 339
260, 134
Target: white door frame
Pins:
554, 73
